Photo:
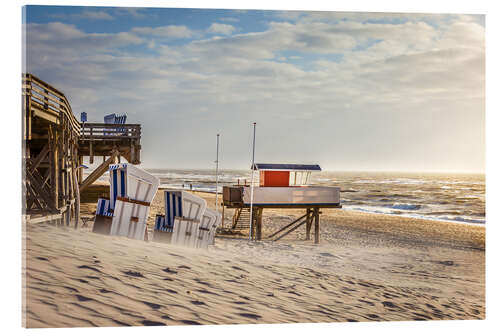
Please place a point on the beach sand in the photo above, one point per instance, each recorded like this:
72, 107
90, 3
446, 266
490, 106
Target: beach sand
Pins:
368, 267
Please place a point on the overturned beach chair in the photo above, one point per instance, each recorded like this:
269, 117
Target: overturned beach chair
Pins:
206, 228
183, 213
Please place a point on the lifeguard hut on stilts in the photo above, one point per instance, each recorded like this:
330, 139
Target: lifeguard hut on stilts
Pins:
281, 186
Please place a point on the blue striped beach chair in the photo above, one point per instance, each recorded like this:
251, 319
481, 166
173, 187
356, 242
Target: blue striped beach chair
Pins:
103, 207
117, 183
120, 120
114, 119
109, 119
162, 224
103, 217
128, 181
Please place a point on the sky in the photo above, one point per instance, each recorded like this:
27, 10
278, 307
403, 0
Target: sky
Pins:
349, 91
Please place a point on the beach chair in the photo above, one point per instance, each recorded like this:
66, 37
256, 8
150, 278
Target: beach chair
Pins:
114, 119
206, 228
162, 231
185, 210
120, 120
131, 192
213, 229
109, 119
130, 218
128, 181
103, 217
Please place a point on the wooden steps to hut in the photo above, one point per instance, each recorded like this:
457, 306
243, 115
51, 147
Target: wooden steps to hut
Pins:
241, 219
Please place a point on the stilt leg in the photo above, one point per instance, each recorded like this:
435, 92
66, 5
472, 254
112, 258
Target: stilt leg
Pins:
316, 225
308, 224
259, 223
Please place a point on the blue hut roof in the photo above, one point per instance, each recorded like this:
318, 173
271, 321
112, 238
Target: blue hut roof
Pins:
286, 167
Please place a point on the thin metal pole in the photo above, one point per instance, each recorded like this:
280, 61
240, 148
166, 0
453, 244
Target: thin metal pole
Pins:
217, 176
251, 185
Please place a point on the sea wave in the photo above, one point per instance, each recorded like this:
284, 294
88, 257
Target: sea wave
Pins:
405, 206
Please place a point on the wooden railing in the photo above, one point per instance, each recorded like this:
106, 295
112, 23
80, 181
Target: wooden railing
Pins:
47, 102
99, 131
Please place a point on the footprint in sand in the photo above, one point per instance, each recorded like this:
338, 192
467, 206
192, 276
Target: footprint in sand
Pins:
152, 323
389, 304
249, 315
83, 298
446, 263
42, 258
198, 303
153, 306
367, 302
170, 271
89, 267
238, 268
190, 322
132, 273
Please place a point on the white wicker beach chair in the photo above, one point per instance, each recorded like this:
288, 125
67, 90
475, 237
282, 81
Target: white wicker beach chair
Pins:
128, 181
130, 218
213, 229
186, 211
206, 228
131, 192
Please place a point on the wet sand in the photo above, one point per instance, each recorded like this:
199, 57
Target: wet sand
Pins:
368, 267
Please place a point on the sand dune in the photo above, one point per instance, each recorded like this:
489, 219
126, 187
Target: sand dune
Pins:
367, 268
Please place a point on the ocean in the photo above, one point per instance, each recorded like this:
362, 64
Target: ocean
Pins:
445, 197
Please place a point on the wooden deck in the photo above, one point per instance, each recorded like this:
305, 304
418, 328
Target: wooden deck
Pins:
318, 198
54, 144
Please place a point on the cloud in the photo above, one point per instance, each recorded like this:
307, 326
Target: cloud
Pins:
420, 69
94, 15
169, 31
220, 28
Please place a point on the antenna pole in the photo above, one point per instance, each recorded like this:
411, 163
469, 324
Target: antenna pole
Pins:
251, 185
217, 177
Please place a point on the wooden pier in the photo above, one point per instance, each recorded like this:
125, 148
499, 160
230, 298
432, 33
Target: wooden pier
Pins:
54, 145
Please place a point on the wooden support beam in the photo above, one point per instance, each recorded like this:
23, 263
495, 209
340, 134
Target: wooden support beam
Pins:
316, 225
35, 182
42, 219
289, 231
41, 156
288, 225
99, 171
80, 170
259, 223
91, 153
308, 224
54, 166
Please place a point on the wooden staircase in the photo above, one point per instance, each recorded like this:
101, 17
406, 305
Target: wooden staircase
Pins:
241, 219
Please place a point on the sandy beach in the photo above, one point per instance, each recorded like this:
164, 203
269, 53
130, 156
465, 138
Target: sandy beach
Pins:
368, 267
